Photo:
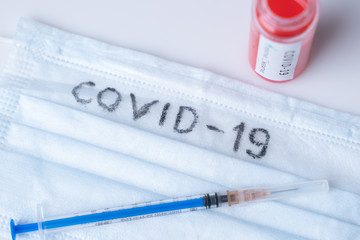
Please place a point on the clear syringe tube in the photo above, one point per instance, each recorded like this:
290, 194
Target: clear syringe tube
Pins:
165, 207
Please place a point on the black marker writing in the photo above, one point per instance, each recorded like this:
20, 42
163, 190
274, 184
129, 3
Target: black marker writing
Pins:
143, 110
179, 117
255, 140
213, 128
240, 130
111, 107
75, 92
163, 114
186, 119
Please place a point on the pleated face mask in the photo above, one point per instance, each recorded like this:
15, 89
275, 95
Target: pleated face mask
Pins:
85, 125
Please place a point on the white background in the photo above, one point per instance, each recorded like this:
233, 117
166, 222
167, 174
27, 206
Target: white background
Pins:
208, 34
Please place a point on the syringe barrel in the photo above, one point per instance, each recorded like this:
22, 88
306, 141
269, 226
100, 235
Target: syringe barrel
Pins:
121, 214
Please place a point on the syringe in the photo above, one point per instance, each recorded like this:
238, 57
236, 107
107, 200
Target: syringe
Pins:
166, 207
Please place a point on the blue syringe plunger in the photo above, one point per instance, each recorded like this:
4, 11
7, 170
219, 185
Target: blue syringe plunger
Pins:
12, 229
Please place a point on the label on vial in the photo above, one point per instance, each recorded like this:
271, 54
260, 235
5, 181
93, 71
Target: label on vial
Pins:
277, 61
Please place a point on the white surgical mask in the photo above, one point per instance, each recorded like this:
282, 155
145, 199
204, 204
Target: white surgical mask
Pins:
85, 125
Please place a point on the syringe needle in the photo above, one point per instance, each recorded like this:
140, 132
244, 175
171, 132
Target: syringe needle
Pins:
280, 191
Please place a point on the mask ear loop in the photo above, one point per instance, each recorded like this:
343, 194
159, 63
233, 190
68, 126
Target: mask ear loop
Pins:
5, 40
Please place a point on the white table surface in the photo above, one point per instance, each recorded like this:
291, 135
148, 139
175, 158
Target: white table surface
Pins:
208, 34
